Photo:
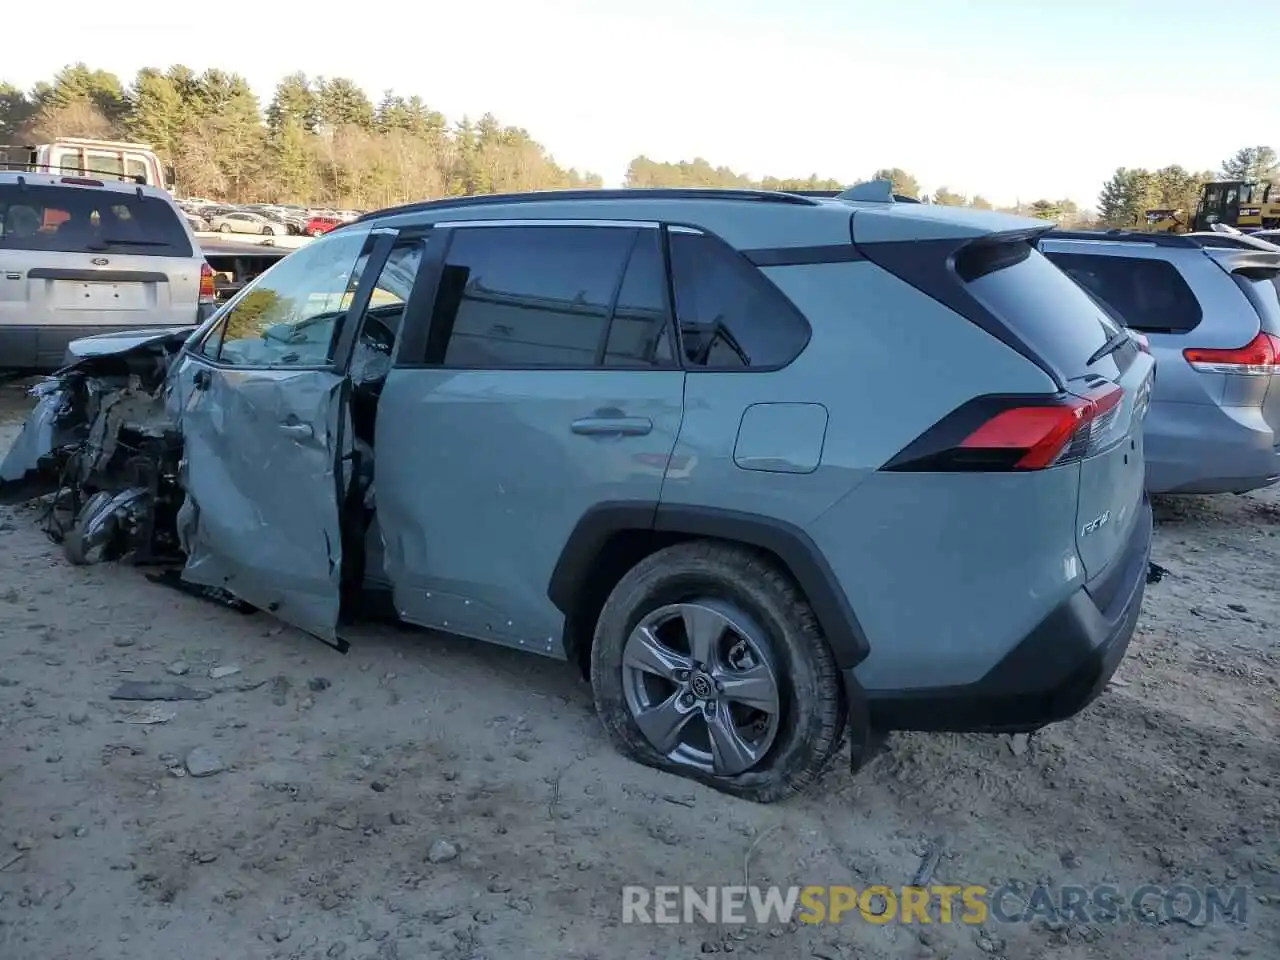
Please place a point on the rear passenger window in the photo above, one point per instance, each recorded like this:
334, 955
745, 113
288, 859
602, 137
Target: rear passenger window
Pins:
66, 219
639, 334
730, 316
527, 296
1150, 295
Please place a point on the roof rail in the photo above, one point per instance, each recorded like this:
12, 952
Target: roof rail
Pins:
626, 193
24, 167
1123, 236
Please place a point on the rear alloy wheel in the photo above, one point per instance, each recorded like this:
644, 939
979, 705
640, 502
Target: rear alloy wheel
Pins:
224, 228
708, 663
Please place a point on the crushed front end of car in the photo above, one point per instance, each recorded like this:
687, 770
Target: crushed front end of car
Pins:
103, 451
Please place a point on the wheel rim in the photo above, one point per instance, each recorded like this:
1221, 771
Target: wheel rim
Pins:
701, 685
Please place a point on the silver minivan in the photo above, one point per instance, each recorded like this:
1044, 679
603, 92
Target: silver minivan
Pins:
1208, 306
82, 256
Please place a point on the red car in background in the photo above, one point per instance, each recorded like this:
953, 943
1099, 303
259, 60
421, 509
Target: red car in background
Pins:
320, 225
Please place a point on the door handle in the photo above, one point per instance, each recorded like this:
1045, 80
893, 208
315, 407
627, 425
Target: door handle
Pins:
302, 431
612, 426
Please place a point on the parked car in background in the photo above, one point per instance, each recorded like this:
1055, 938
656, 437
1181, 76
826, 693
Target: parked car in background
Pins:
667, 435
197, 223
80, 256
244, 221
209, 211
1209, 306
317, 226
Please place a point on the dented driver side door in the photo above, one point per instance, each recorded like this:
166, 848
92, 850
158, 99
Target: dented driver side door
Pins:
263, 401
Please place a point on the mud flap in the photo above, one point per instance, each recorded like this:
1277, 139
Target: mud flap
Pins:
263, 485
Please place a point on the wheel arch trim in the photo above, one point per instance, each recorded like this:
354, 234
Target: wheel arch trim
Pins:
789, 543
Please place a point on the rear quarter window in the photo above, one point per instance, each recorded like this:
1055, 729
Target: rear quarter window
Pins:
1150, 294
66, 219
730, 316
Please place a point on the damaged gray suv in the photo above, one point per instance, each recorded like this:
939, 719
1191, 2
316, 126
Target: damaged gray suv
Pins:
769, 468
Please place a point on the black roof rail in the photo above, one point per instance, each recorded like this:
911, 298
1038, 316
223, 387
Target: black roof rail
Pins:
1123, 236
626, 193
24, 167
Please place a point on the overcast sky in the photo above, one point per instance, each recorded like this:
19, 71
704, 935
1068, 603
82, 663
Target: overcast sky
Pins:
1013, 99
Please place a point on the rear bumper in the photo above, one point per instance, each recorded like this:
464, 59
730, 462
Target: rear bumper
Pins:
1057, 669
1206, 448
41, 348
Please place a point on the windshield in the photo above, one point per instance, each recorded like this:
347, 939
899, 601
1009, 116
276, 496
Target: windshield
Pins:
1254, 192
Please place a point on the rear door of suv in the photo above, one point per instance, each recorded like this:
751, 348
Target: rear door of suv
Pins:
78, 257
544, 383
1102, 366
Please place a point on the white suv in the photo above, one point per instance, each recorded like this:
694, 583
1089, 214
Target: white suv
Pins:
80, 256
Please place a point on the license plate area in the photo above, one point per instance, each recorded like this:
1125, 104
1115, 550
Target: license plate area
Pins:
99, 295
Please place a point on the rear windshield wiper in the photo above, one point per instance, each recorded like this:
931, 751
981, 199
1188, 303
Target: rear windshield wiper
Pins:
1111, 346
121, 241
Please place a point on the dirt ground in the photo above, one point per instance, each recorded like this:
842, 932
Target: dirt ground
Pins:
342, 772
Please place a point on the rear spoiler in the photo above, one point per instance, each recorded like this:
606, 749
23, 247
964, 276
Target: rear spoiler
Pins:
1235, 260
1234, 241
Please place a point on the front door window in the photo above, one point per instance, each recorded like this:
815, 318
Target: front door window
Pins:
291, 314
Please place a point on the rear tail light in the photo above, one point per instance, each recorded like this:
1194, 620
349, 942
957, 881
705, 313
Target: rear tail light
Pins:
1016, 433
208, 289
1259, 357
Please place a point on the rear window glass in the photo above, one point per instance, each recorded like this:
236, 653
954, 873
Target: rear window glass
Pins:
1051, 314
89, 220
1150, 294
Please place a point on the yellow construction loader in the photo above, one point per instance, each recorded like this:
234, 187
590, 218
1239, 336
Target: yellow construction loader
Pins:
1165, 221
1243, 204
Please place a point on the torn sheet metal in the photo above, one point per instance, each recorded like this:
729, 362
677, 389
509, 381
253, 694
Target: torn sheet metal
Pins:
260, 470
38, 439
100, 440
119, 342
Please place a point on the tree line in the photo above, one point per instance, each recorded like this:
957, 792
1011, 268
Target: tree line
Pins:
318, 141
322, 140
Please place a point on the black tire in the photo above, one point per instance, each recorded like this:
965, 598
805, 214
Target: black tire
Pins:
812, 713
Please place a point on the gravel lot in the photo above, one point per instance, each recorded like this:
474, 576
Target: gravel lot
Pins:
341, 773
